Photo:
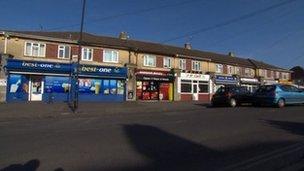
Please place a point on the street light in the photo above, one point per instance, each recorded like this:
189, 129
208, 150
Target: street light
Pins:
77, 65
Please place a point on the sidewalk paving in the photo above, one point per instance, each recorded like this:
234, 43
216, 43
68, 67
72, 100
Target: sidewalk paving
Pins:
39, 110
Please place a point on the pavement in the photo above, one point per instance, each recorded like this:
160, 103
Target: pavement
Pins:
150, 136
40, 110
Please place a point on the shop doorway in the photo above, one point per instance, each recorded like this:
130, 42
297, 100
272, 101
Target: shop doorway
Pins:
195, 91
36, 86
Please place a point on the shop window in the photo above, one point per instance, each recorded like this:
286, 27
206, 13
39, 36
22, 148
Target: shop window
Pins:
150, 60
87, 54
219, 68
168, 62
113, 86
120, 87
90, 86
196, 65
110, 56
64, 51
203, 87
182, 64
34, 49
186, 86
54, 84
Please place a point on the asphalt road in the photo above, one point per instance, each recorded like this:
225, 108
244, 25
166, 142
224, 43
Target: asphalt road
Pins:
200, 139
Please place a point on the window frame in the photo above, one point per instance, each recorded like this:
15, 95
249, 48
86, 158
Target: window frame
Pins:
64, 52
31, 49
182, 64
112, 57
170, 62
217, 68
196, 63
230, 69
82, 54
145, 61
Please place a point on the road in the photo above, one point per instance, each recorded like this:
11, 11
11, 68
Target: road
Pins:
200, 139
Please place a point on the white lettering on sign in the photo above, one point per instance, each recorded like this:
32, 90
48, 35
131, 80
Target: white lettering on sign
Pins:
151, 73
192, 76
3, 82
36, 65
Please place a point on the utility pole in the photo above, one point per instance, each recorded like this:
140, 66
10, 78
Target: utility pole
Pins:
76, 81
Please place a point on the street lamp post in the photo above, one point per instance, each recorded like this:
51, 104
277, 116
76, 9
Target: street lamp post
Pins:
77, 65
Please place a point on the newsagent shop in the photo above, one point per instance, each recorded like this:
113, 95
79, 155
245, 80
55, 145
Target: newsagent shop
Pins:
154, 85
49, 81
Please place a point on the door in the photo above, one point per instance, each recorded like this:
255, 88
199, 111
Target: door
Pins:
36, 88
195, 91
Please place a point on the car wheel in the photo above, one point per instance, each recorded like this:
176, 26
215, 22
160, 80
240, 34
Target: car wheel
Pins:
232, 102
281, 103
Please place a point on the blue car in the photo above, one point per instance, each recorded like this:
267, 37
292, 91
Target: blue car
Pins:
278, 95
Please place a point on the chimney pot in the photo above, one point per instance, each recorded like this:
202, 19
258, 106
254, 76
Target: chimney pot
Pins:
123, 35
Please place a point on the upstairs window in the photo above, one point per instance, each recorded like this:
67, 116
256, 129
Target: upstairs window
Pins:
110, 56
230, 69
87, 54
237, 70
150, 60
219, 68
64, 51
277, 75
182, 64
168, 62
247, 72
196, 66
34, 49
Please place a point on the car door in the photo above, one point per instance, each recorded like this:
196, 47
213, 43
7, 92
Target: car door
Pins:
287, 94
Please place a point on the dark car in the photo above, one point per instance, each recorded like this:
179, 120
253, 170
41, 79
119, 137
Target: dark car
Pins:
278, 95
231, 96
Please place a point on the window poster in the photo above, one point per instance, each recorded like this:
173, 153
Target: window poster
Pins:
18, 84
55, 84
91, 86
120, 87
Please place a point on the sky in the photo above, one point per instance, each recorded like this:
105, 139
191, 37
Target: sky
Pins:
268, 30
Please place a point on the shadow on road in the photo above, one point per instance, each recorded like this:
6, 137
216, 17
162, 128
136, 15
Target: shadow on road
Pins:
31, 165
296, 128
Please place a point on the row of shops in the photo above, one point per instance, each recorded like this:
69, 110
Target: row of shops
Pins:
48, 81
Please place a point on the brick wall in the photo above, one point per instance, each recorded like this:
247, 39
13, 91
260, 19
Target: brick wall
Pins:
51, 51
188, 64
225, 69
98, 55
159, 62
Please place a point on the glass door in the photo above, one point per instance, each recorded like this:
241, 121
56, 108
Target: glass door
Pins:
195, 91
36, 88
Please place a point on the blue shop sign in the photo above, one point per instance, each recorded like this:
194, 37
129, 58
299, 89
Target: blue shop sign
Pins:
220, 79
103, 71
37, 66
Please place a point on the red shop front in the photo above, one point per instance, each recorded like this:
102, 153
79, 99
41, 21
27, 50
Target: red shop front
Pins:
154, 85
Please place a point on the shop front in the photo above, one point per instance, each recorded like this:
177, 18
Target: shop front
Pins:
268, 81
154, 85
251, 84
222, 80
37, 81
194, 87
51, 82
102, 83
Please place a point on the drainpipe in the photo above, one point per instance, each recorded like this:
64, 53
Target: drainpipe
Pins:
5, 42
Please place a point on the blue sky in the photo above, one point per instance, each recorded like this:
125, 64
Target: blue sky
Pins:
275, 36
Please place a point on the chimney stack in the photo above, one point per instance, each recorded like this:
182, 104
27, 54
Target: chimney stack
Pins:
188, 46
123, 35
231, 54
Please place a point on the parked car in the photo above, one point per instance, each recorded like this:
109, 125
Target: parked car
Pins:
231, 96
278, 95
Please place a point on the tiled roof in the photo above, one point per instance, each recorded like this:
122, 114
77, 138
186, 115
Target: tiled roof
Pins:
149, 47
